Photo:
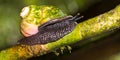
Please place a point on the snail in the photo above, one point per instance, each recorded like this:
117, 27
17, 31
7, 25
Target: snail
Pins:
51, 30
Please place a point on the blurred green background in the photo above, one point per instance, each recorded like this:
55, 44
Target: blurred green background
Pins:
106, 48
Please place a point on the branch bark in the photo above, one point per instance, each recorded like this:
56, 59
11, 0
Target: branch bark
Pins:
101, 24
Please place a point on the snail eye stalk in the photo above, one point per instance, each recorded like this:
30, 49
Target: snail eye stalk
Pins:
77, 17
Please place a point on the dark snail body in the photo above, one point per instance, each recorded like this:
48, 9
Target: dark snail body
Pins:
52, 31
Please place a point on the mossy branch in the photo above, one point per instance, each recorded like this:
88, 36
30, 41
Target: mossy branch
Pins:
103, 23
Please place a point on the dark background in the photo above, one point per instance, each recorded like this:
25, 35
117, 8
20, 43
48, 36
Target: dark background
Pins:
107, 48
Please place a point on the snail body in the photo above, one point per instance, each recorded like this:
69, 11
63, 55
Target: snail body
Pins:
51, 30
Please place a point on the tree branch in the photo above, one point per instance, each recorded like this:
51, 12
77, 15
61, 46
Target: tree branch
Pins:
101, 24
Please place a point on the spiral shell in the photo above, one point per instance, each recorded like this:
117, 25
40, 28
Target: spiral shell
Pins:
34, 16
